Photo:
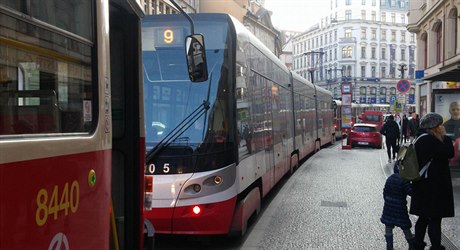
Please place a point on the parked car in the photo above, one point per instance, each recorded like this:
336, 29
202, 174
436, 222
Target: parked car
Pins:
365, 134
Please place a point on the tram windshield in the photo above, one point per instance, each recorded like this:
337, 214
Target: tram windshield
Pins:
190, 113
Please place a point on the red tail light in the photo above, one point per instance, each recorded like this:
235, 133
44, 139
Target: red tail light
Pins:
148, 182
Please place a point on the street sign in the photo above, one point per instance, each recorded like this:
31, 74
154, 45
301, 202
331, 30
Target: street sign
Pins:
403, 85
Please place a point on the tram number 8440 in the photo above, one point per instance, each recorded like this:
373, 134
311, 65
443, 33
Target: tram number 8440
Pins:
68, 199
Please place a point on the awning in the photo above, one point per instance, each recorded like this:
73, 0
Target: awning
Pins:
450, 73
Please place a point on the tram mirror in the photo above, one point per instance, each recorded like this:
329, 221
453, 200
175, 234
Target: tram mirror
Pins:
196, 58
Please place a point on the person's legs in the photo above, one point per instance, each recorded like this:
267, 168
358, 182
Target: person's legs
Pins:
388, 144
420, 231
410, 238
389, 236
434, 232
393, 146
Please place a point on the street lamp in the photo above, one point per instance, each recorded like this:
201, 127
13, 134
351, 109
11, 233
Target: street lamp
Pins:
312, 62
402, 68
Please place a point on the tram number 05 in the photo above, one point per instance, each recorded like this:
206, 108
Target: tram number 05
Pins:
151, 168
68, 199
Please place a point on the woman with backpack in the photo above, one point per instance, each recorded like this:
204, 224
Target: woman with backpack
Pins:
432, 195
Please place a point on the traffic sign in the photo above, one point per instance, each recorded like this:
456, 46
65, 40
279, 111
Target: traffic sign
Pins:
403, 85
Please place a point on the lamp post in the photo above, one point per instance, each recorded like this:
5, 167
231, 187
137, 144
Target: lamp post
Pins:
402, 68
312, 62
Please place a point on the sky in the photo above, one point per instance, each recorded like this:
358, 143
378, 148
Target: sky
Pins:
297, 15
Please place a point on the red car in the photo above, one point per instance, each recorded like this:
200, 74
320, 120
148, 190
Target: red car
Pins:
365, 134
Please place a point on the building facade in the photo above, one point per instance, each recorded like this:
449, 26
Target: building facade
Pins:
362, 41
437, 25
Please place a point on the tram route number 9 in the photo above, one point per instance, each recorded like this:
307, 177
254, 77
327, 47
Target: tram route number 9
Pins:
60, 200
151, 168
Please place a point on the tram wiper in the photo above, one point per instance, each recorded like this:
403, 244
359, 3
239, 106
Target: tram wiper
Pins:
183, 125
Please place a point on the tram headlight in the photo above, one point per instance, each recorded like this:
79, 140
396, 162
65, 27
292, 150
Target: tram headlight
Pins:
218, 180
197, 188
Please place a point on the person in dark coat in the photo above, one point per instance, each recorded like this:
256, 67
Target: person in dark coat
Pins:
395, 208
413, 126
432, 196
391, 132
405, 129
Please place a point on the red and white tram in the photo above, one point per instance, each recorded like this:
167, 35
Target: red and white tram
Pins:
71, 144
216, 148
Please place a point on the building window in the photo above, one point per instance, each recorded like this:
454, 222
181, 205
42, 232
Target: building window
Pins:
383, 16
348, 32
363, 52
412, 37
403, 54
335, 35
382, 72
363, 2
363, 33
393, 18
392, 71
373, 16
383, 2
438, 43
363, 71
403, 36
373, 34
373, 53
347, 52
348, 2
384, 35
393, 36
348, 15
403, 18
335, 54
384, 53
349, 71
373, 2
403, 4
373, 72
363, 14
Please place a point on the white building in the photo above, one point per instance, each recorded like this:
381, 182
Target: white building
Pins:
363, 40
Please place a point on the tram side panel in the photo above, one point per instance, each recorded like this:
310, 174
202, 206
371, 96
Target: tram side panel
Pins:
305, 116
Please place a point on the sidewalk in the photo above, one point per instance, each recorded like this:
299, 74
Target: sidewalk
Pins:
334, 201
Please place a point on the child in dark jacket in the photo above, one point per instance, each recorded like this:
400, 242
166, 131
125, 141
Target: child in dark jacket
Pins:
395, 208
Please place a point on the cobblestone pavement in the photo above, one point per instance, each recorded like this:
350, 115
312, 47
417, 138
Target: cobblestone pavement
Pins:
334, 201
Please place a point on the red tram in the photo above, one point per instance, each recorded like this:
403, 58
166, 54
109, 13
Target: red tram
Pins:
216, 148
71, 144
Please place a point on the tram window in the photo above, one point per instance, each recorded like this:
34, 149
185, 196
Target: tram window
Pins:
73, 16
46, 81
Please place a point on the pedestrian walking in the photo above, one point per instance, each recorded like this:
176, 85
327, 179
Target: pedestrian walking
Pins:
391, 132
432, 196
413, 126
395, 212
404, 129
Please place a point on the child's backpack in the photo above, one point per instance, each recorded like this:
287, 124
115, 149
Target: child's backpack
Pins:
407, 162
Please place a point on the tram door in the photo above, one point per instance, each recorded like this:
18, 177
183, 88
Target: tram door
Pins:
127, 159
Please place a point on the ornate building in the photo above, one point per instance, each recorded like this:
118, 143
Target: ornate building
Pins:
362, 41
437, 25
